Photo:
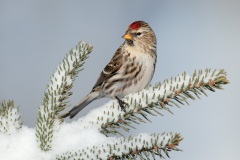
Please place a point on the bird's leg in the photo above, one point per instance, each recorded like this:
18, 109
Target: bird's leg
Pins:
121, 103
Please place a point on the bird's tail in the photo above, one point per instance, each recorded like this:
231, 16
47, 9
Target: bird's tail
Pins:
88, 99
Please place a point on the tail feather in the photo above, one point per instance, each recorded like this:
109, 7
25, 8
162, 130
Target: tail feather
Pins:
76, 109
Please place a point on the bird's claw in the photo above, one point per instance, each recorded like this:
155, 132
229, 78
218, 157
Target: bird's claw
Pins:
121, 104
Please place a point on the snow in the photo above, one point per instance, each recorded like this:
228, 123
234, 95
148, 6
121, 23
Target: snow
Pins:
71, 136
22, 145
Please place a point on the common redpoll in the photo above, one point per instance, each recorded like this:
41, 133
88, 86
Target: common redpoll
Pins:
130, 70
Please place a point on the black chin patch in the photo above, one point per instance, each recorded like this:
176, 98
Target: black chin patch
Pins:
130, 42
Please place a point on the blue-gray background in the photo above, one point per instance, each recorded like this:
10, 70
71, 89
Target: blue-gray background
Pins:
36, 35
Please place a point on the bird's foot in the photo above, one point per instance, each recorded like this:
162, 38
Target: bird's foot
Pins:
121, 104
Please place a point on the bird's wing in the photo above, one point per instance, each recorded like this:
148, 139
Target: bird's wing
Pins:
111, 68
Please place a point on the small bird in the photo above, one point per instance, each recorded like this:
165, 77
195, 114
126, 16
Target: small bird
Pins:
130, 69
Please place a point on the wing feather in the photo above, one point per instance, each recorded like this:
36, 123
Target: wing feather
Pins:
111, 68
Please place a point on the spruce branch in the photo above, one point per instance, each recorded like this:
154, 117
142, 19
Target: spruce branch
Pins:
9, 118
154, 99
143, 146
58, 91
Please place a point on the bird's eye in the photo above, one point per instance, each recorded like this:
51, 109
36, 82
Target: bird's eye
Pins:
139, 33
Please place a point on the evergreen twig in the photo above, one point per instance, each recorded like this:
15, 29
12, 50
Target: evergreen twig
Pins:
58, 91
9, 118
142, 146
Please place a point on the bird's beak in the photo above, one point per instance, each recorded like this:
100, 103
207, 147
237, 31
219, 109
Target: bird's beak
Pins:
127, 36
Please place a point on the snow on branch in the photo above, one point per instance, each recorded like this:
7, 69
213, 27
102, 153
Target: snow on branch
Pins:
9, 118
58, 91
142, 146
154, 99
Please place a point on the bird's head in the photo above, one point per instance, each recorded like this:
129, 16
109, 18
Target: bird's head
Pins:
140, 34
